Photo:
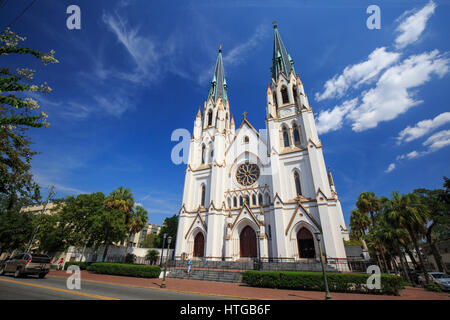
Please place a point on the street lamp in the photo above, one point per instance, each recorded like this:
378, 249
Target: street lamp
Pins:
259, 251
163, 284
327, 292
162, 251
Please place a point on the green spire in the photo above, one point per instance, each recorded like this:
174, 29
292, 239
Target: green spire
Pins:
218, 82
281, 61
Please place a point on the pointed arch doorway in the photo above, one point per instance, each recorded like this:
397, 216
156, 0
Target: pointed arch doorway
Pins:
199, 245
247, 240
305, 242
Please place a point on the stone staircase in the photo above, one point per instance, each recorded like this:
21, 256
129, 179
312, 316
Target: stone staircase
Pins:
228, 271
207, 275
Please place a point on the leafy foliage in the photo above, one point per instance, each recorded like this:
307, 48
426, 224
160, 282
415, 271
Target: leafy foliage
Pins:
337, 282
152, 256
170, 226
131, 270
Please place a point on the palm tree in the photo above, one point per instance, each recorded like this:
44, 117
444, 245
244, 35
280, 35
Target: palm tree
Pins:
369, 203
136, 222
152, 256
409, 213
359, 223
120, 199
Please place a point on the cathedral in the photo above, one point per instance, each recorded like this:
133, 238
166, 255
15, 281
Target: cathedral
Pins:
265, 194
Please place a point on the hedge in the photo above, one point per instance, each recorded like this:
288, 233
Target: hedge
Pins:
83, 265
337, 282
121, 269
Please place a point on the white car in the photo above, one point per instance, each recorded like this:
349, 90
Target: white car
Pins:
440, 278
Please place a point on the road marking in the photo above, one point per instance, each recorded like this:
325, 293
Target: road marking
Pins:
167, 290
95, 296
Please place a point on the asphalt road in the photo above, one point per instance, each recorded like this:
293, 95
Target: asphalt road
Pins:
52, 288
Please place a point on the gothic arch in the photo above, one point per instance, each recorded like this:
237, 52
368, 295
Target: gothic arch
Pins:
294, 240
297, 182
285, 135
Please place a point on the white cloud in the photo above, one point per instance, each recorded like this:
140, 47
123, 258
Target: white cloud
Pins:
412, 26
357, 74
408, 156
438, 141
391, 96
390, 168
422, 128
332, 120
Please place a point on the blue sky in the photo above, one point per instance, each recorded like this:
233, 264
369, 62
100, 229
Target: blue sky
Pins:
138, 70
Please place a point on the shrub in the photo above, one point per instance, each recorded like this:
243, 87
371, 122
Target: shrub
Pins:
121, 269
337, 282
152, 256
83, 265
130, 258
433, 287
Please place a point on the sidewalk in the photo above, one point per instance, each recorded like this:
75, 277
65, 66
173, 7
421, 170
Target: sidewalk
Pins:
236, 290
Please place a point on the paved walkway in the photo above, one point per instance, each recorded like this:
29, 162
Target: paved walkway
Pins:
237, 290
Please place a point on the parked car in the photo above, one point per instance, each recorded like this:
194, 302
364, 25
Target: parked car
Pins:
440, 278
25, 264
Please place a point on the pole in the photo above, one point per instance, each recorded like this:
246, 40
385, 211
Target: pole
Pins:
37, 228
327, 292
163, 283
162, 251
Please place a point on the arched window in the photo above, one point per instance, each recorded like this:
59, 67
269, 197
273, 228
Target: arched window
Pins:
285, 136
212, 154
234, 202
294, 93
247, 200
203, 195
270, 232
246, 139
209, 117
275, 100
284, 95
229, 202
260, 199
203, 154
254, 200
241, 201
298, 188
296, 133
267, 198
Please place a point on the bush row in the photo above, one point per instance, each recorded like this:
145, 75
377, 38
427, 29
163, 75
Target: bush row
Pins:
121, 269
82, 265
337, 282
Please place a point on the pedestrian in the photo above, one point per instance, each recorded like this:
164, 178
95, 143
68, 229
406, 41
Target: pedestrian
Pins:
189, 264
60, 263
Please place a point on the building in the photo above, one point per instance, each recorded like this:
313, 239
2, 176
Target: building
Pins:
251, 194
138, 238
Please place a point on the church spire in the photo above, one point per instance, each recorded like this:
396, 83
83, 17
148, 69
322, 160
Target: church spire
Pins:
281, 61
218, 82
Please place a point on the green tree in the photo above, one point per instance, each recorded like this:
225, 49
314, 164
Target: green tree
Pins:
136, 222
152, 256
438, 227
359, 223
16, 229
18, 113
170, 226
149, 241
409, 213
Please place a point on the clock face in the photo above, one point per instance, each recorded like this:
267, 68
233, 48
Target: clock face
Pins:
247, 174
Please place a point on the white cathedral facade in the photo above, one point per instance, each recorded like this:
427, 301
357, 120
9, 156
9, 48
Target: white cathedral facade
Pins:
250, 194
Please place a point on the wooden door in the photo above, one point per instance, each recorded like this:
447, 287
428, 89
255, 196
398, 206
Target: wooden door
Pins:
248, 243
199, 245
305, 242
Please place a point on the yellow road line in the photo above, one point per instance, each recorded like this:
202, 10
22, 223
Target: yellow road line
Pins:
169, 290
61, 290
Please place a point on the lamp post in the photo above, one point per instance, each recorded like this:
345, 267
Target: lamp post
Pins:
327, 292
162, 251
163, 283
259, 251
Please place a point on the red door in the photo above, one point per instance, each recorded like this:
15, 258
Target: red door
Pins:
248, 243
199, 245
305, 244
